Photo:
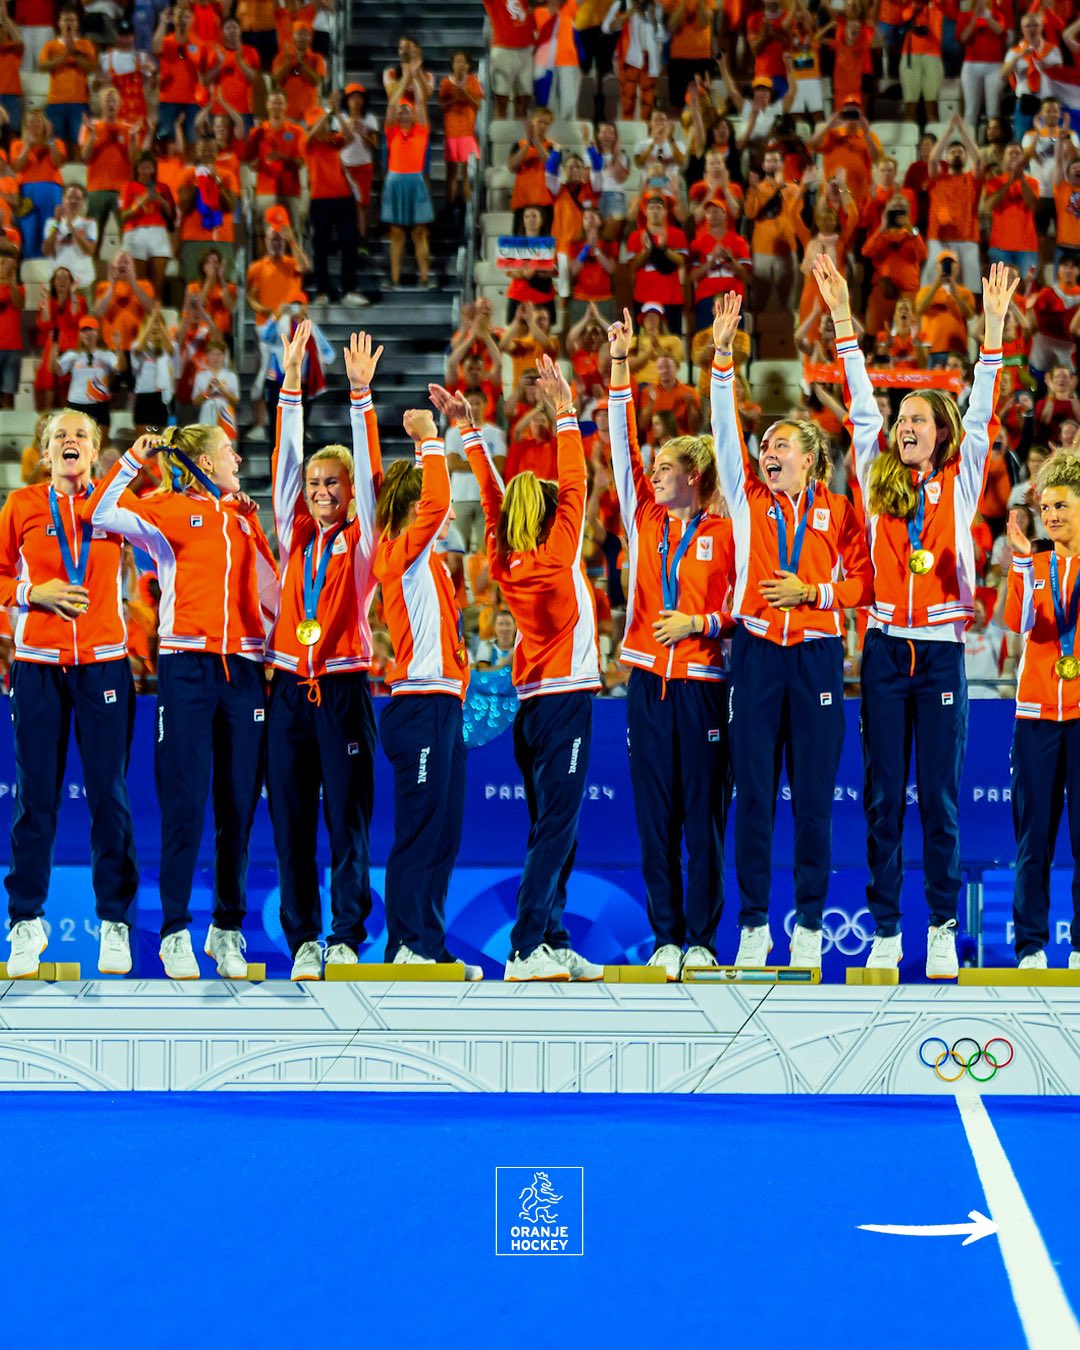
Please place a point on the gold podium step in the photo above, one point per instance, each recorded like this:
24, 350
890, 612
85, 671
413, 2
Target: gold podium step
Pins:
52, 972
860, 975
635, 975
443, 972
1009, 976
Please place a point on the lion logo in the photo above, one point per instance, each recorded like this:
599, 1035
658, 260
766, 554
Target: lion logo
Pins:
538, 1201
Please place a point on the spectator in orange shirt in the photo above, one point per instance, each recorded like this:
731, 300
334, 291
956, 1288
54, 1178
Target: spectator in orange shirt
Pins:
276, 149
36, 22
274, 283
460, 95
847, 142
12, 49
772, 205
208, 197
670, 395
1010, 200
853, 64
690, 23
69, 61
406, 204
108, 148
58, 316
219, 295
944, 308
179, 56
130, 71
12, 298
229, 72
768, 33
147, 216
35, 162
558, 16
258, 28
528, 160
897, 252
122, 303
921, 66
299, 72
528, 336
954, 192
1066, 202
513, 28
333, 210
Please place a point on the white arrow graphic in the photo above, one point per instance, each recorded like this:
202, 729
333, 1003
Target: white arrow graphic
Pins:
979, 1227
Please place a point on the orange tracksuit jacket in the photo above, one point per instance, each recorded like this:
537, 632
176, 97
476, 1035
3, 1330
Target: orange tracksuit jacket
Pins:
419, 603
1029, 610
545, 588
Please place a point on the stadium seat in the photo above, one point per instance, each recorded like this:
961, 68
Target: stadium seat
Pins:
37, 270
897, 133
73, 173
497, 222
775, 384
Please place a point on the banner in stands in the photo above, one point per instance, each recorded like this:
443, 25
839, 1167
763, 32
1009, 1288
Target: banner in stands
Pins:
832, 372
520, 251
607, 898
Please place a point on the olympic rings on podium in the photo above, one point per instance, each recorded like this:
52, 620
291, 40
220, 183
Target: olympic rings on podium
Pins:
951, 1054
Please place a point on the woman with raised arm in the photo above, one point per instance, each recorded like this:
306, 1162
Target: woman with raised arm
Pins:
921, 485
60, 579
321, 723
219, 589
1041, 604
534, 535
681, 568
800, 562
421, 728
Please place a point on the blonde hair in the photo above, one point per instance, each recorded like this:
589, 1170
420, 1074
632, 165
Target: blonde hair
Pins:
400, 491
336, 453
814, 441
51, 420
527, 510
891, 491
1060, 471
696, 454
192, 441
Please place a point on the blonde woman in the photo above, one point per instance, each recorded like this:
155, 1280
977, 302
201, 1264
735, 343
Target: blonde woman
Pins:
921, 485
219, 586
1041, 605
534, 536
682, 564
60, 578
321, 723
792, 539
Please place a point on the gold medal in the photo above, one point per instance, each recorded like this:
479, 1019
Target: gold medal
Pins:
920, 562
785, 609
308, 632
1067, 667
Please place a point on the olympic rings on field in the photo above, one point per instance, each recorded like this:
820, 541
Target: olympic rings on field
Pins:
951, 1054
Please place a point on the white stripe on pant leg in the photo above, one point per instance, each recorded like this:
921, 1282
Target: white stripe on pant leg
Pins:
1047, 1319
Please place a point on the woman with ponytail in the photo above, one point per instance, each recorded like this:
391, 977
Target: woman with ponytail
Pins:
534, 536
921, 486
321, 723
421, 728
682, 560
219, 588
1041, 605
800, 562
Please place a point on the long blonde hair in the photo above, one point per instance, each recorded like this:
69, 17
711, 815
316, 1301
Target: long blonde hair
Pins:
528, 508
194, 440
891, 491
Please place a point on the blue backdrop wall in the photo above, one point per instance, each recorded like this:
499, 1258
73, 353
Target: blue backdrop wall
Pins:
607, 901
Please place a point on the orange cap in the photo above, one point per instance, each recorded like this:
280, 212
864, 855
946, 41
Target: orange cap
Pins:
277, 218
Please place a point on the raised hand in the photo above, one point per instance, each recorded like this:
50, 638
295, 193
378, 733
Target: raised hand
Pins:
293, 350
551, 383
727, 310
1018, 540
146, 447
998, 289
833, 286
453, 406
360, 360
419, 425
620, 335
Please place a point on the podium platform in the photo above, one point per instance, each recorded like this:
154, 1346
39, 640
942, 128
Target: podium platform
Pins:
205, 1036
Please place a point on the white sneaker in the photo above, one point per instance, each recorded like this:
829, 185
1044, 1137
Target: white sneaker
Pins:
575, 963
805, 948
699, 956
341, 954
670, 957
355, 298
755, 944
178, 958
407, 957
542, 964
28, 941
307, 963
114, 951
226, 946
473, 973
1033, 961
885, 954
941, 962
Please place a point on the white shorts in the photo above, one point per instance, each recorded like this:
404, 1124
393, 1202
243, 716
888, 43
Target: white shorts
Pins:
148, 241
512, 71
808, 97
